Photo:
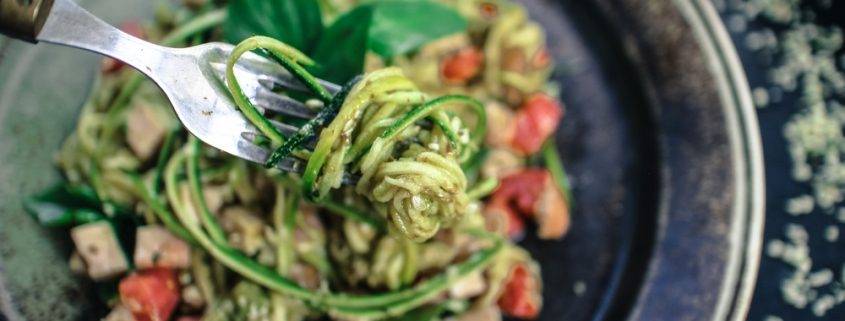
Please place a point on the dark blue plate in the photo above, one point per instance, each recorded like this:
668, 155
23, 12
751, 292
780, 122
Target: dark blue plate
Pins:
659, 136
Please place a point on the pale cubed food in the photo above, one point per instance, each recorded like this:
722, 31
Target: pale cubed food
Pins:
156, 246
99, 248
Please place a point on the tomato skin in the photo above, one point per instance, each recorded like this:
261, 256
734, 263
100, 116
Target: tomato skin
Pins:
501, 218
536, 120
522, 189
520, 297
530, 193
516, 196
462, 66
151, 295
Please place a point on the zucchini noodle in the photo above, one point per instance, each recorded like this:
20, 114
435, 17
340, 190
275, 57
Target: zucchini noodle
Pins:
411, 174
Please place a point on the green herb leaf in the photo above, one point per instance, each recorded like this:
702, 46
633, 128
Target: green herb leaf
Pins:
64, 205
399, 27
340, 52
296, 22
388, 28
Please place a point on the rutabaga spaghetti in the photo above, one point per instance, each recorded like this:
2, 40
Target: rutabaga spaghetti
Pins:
410, 173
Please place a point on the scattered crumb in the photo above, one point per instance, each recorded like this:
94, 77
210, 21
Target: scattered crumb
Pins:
761, 97
823, 304
800, 205
737, 23
831, 233
579, 288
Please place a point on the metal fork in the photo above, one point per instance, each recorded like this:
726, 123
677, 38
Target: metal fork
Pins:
192, 78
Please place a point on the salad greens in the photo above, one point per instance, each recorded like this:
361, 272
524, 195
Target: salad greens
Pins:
295, 22
387, 28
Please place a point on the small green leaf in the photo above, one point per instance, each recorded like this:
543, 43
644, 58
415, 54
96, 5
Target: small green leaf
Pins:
296, 22
402, 26
388, 28
64, 205
340, 52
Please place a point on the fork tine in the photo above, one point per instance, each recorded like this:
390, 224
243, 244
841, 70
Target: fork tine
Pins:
282, 104
289, 82
259, 155
285, 129
271, 77
290, 130
258, 87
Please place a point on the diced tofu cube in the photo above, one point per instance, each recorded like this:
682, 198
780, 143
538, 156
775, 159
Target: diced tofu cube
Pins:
245, 229
99, 248
119, 313
501, 163
146, 128
468, 287
551, 213
156, 246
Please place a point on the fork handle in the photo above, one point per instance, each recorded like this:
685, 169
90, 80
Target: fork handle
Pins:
63, 22
23, 19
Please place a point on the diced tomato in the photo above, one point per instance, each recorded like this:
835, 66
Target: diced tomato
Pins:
531, 193
536, 120
501, 218
131, 27
522, 189
517, 193
462, 66
521, 295
151, 295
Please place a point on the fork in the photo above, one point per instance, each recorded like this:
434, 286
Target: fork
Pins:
192, 78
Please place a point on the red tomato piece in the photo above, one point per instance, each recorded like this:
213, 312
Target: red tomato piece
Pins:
536, 120
521, 295
462, 66
522, 190
502, 219
531, 193
151, 295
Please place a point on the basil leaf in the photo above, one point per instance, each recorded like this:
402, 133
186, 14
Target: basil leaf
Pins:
341, 50
388, 28
399, 27
64, 205
296, 22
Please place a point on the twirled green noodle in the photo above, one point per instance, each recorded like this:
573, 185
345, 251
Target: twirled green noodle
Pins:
411, 174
